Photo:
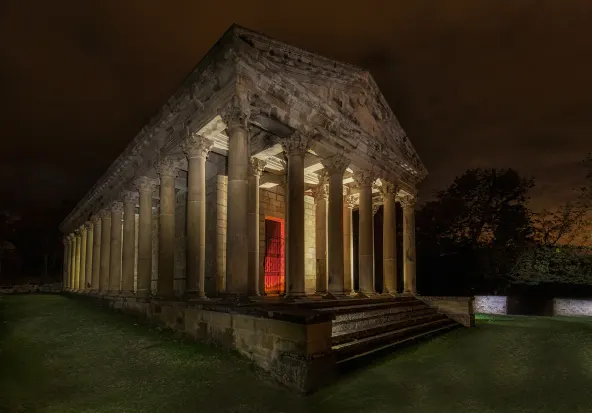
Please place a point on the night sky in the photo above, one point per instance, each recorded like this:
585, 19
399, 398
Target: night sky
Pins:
474, 83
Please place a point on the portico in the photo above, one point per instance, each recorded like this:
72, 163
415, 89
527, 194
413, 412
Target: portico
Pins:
258, 116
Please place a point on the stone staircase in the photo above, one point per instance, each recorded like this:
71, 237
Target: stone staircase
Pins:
369, 325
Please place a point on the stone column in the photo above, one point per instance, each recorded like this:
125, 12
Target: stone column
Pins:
65, 263
96, 262
82, 272
76, 279
115, 248
89, 256
366, 242
105, 250
146, 187
196, 149
72, 262
321, 198
237, 247
167, 169
408, 205
348, 280
389, 238
336, 167
295, 148
129, 242
256, 167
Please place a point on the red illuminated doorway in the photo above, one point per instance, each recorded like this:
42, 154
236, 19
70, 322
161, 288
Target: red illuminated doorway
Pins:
274, 256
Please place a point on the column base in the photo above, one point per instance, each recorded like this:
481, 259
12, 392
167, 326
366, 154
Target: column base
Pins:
361, 294
195, 296
333, 296
297, 299
236, 299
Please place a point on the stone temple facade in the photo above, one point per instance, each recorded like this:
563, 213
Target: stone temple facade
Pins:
241, 190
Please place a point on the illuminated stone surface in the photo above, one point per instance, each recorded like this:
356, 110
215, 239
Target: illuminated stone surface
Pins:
256, 131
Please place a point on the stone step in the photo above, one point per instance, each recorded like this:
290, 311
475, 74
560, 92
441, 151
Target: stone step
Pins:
368, 312
355, 348
356, 321
411, 337
324, 304
377, 329
358, 308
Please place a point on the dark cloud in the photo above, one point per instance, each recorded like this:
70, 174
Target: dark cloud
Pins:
473, 83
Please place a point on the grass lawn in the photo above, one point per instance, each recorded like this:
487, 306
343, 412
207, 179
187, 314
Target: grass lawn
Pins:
60, 354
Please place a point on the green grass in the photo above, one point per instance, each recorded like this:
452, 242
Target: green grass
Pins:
59, 354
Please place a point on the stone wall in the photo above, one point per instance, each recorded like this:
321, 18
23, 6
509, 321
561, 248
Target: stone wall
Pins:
460, 309
294, 346
491, 304
571, 307
32, 288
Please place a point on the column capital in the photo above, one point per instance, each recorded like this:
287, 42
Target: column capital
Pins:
195, 145
116, 207
130, 197
336, 164
256, 166
95, 218
297, 144
145, 184
350, 201
167, 166
237, 111
83, 229
364, 179
320, 192
388, 188
105, 213
375, 208
77, 233
88, 225
65, 240
408, 202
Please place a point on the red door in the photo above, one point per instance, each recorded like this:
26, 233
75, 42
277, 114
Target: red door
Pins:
274, 256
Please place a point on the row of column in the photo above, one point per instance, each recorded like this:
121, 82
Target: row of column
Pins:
100, 256
330, 233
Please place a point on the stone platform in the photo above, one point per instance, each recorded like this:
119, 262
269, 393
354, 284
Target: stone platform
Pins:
300, 344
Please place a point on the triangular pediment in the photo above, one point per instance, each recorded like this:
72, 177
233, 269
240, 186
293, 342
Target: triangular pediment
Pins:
349, 90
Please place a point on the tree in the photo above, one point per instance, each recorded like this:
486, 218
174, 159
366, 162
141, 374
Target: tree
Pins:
475, 227
554, 257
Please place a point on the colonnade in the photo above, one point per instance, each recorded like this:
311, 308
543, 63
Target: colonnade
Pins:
100, 255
